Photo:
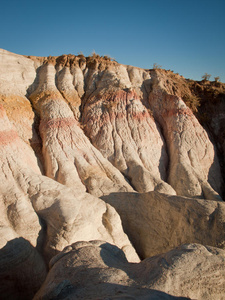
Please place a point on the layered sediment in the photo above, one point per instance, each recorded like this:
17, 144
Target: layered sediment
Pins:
94, 150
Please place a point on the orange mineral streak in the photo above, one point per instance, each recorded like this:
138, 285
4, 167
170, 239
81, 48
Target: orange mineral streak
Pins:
40, 97
2, 111
16, 107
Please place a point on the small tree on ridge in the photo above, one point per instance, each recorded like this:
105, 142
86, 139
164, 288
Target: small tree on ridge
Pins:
156, 66
217, 79
206, 76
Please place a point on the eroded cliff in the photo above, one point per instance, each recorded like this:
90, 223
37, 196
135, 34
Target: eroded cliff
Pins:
90, 149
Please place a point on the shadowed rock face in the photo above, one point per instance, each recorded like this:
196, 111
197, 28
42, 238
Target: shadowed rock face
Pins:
98, 270
22, 269
157, 222
74, 130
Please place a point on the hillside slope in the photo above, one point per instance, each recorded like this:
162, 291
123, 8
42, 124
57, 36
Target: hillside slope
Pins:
94, 150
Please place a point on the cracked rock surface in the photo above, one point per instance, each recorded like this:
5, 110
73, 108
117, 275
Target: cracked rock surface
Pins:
102, 164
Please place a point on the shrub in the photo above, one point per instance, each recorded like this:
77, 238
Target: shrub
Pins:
217, 79
107, 57
206, 76
156, 66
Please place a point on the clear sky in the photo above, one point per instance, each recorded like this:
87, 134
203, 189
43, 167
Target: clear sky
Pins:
187, 37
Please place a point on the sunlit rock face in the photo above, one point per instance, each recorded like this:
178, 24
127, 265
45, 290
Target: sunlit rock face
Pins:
94, 150
194, 167
120, 126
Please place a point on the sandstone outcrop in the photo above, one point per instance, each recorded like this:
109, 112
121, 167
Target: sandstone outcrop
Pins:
156, 222
98, 270
211, 112
120, 126
86, 143
194, 167
27, 195
22, 269
38, 212
113, 103
69, 156
17, 75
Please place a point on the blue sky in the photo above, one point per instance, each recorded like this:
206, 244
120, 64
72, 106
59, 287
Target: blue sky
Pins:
185, 36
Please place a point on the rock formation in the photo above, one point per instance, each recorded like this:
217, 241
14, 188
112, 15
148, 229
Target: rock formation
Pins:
120, 126
156, 222
69, 156
37, 211
94, 150
98, 270
194, 165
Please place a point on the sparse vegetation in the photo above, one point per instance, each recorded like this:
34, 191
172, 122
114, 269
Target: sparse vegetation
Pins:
94, 55
206, 76
211, 97
192, 101
217, 79
156, 66
106, 57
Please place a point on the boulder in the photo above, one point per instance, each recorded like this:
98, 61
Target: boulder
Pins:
22, 268
156, 223
98, 270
